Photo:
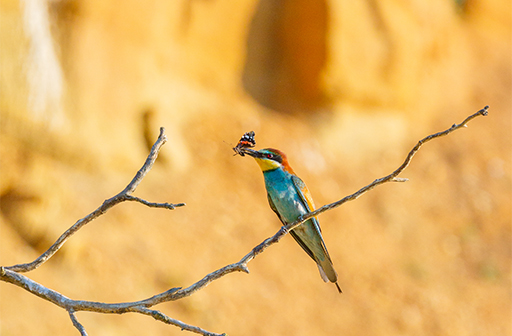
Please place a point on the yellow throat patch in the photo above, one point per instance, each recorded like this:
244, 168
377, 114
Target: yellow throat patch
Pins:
266, 164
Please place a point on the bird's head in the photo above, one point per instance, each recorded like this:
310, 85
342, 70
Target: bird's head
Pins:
270, 159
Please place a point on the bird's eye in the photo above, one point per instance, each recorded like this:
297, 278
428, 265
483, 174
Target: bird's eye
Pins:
270, 156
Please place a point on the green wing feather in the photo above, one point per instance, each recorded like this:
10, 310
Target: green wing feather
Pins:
293, 234
325, 266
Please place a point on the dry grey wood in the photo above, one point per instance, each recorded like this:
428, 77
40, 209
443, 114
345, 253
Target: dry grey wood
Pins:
77, 324
124, 195
11, 275
393, 176
242, 264
73, 306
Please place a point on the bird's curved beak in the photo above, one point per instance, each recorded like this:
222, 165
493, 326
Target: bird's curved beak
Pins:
251, 152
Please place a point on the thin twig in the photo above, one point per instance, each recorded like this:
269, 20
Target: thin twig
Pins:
157, 315
146, 167
77, 324
109, 203
151, 204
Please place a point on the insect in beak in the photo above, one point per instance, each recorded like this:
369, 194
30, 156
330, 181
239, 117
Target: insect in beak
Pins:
246, 141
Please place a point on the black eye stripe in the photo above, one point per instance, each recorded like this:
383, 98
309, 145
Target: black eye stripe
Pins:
268, 155
275, 157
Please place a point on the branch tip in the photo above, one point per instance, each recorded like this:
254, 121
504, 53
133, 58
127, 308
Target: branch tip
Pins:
166, 205
244, 268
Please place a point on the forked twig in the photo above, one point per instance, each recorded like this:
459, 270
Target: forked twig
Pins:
124, 195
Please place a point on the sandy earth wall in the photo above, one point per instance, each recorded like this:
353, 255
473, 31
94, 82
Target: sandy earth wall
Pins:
345, 88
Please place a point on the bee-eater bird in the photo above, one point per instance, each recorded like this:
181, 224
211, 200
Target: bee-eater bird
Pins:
289, 198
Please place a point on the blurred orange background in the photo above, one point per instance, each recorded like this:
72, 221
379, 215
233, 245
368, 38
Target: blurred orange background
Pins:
345, 88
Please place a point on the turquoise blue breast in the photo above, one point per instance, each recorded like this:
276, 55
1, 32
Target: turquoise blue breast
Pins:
284, 195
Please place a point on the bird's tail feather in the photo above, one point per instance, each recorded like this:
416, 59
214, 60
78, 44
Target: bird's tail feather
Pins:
327, 271
322, 273
331, 276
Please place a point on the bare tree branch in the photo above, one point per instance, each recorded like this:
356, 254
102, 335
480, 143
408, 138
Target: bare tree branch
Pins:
241, 266
109, 203
73, 306
393, 176
146, 167
10, 274
157, 315
389, 178
151, 204
77, 324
